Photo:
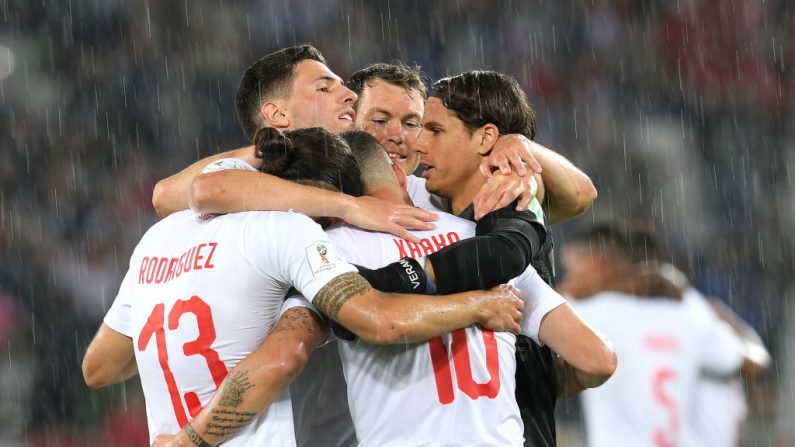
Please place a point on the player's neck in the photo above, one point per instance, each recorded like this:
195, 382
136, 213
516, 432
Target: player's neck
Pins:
389, 193
465, 194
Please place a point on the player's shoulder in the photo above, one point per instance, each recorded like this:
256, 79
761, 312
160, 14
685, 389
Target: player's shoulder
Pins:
288, 221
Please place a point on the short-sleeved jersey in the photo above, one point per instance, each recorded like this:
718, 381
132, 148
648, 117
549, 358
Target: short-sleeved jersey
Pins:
720, 406
454, 390
200, 295
662, 348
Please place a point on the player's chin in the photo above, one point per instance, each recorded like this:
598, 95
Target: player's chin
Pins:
342, 125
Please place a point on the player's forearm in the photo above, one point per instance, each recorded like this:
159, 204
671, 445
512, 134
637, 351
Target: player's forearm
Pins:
237, 190
568, 190
109, 358
258, 379
572, 381
506, 242
578, 344
171, 194
416, 318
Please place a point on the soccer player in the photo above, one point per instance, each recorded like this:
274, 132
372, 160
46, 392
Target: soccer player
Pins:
460, 387
720, 407
201, 295
288, 89
390, 107
383, 382
463, 116
664, 345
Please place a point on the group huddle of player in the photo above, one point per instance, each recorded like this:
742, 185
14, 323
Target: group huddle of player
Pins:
307, 290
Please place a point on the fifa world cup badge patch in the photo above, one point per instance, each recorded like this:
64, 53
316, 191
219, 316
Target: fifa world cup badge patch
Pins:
322, 257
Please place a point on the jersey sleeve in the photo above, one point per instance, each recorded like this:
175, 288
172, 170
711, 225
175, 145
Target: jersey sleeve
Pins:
223, 164
118, 317
295, 301
539, 300
294, 250
298, 301
722, 351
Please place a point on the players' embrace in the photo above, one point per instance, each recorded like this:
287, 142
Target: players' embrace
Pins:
317, 332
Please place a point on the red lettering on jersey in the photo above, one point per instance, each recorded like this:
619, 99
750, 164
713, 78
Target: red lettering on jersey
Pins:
439, 242
414, 250
426, 245
453, 237
181, 266
144, 262
161, 270
198, 257
207, 264
172, 268
151, 269
401, 245
189, 259
661, 342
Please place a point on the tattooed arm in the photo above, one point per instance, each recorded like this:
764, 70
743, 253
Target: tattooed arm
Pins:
256, 381
384, 318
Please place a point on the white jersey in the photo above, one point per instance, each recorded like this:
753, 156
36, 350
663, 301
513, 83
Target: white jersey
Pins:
662, 348
415, 186
720, 406
454, 390
200, 295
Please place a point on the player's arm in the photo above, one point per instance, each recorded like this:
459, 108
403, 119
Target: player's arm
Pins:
255, 382
171, 194
384, 318
506, 241
566, 190
587, 359
756, 356
109, 358
234, 190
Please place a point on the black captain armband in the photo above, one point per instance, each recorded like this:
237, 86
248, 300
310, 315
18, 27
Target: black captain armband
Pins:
404, 276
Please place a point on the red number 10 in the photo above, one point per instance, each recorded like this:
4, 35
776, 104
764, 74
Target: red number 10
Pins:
463, 367
201, 346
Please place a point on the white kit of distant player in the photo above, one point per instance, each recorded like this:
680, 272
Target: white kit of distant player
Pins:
720, 401
663, 346
453, 390
201, 295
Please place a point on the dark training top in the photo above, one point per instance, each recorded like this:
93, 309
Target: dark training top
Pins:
536, 372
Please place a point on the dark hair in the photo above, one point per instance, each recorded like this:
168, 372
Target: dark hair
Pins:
312, 156
399, 74
632, 242
481, 97
270, 76
373, 161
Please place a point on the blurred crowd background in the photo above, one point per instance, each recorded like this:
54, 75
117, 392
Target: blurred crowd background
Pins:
682, 113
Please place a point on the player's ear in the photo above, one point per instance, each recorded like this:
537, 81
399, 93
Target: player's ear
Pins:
400, 173
274, 115
487, 136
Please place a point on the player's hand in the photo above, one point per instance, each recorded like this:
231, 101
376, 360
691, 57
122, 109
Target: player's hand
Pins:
500, 190
502, 309
377, 215
164, 440
511, 153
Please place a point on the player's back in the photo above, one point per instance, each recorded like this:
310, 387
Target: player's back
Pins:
662, 347
202, 297
453, 390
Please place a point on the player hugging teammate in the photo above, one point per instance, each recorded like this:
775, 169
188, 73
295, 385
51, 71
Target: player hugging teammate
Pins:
298, 336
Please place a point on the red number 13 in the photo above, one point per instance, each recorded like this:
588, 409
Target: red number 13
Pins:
463, 367
201, 346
